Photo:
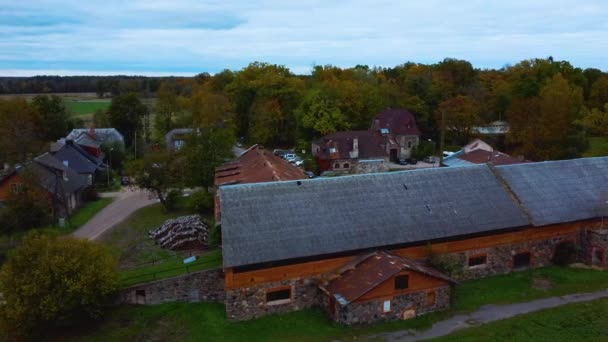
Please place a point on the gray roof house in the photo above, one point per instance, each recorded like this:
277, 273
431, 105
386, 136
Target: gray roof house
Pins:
75, 157
176, 138
102, 135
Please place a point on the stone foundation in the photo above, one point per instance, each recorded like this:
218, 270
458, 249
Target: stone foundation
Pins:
250, 302
402, 307
205, 286
595, 246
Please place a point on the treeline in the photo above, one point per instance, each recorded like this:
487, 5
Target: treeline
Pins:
552, 106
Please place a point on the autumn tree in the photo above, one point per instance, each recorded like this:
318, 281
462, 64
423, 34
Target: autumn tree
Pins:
21, 130
596, 121
54, 282
128, 115
461, 114
598, 96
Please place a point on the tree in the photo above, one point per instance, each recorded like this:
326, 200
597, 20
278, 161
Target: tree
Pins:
598, 96
21, 131
128, 114
204, 151
101, 118
461, 114
596, 122
54, 282
158, 172
167, 106
29, 208
54, 115
320, 112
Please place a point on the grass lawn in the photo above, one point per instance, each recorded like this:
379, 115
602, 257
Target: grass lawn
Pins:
203, 321
598, 147
574, 322
85, 107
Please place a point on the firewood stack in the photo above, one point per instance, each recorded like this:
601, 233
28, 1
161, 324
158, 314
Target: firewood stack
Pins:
182, 233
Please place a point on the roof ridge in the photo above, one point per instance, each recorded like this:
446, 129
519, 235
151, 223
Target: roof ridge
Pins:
511, 192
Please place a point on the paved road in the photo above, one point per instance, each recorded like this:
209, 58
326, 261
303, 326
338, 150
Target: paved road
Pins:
486, 314
126, 202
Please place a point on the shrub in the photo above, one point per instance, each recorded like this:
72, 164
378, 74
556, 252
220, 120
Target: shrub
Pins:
90, 194
451, 265
172, 200
215, 238
202, 202
565, 253
54, 282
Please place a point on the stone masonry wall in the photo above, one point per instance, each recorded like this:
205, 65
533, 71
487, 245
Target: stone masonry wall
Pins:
595, 246
204, 286
500, 258
372, 311
250, 302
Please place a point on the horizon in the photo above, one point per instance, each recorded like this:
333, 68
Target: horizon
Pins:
185, 38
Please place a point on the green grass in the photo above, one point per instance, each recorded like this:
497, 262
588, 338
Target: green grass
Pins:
203, 321
82, 216
86, 107
598, 147
574, 322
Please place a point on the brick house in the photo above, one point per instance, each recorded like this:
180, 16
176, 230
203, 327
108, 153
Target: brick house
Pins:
393, 134
297, 244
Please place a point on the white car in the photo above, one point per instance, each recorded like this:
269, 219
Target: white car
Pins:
298, 162
290, 156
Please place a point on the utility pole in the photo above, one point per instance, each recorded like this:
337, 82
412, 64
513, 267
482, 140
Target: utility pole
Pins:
442, 138
135, 145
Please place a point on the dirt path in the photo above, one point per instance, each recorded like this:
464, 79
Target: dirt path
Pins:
125, 204
486, 314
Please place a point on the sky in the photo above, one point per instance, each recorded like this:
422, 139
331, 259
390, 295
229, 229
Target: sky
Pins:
187, 37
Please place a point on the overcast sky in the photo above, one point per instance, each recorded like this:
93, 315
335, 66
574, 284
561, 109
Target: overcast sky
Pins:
73, 37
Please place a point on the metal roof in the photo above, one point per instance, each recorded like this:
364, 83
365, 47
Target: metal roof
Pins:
266, 222
559, 191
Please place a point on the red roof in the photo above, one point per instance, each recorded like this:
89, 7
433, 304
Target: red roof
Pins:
495, 158
397, 121
372, 270
370, 145
257, 165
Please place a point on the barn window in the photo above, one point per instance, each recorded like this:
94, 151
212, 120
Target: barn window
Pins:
402, 282
521, 260
386, 306
478, 260
431, 298
336, 165
346, 166
278, 296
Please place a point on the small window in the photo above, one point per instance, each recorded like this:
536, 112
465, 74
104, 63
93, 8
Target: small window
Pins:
278, 296
402, 282
431, 298
478, 260
521, 260
386, 306
409, 144
332, 150
336, 166
346, 166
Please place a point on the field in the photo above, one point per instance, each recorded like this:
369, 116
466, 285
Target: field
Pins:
196, 322
85, 107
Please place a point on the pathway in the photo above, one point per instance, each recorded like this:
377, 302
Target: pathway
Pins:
486, 314
126, 202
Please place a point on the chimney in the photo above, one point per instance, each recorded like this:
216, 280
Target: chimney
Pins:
355, 152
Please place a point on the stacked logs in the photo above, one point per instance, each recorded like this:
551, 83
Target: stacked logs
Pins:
182, 233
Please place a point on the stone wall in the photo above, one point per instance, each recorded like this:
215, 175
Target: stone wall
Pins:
250, 302
500, 258
370, 166
594, 246
204, 286
373, 311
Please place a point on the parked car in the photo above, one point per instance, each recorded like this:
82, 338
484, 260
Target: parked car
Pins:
310, 174
430, 160
412, 161
401, 161
289, 156
298, 162
125, 180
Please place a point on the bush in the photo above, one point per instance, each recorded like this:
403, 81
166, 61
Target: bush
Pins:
54, 282
172, 200
202, 202
215, 238
565, 253
90, 194
451, 265
24, 211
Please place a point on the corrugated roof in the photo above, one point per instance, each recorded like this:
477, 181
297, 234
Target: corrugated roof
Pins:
559, 191
284, 220
371, 272
257, 165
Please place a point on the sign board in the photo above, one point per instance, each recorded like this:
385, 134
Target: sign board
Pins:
190, 259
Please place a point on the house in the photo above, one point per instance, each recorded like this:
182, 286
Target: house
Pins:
73, 156
254, 165
479, 152
176, 138
493, 128
63, 185
320, 242
393, 135
104, 136
88, 141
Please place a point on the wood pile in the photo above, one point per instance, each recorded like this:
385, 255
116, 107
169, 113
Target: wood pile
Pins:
182, 233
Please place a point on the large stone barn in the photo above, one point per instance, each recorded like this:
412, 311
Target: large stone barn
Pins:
359, 246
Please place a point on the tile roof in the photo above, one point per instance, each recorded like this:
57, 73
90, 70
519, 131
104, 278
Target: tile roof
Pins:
494, 158
398, 122
370, 145
559, 191
284, 220
371, 271
257, 165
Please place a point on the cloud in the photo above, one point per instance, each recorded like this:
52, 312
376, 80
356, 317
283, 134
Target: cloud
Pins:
194, 36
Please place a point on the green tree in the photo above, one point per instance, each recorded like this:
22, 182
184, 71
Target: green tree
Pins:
596, 121
167, 107
29, 208
598, 96
204, 151
21, 130
461, 114
54, 282
101, 118
54, 115
320, 112
128, 115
